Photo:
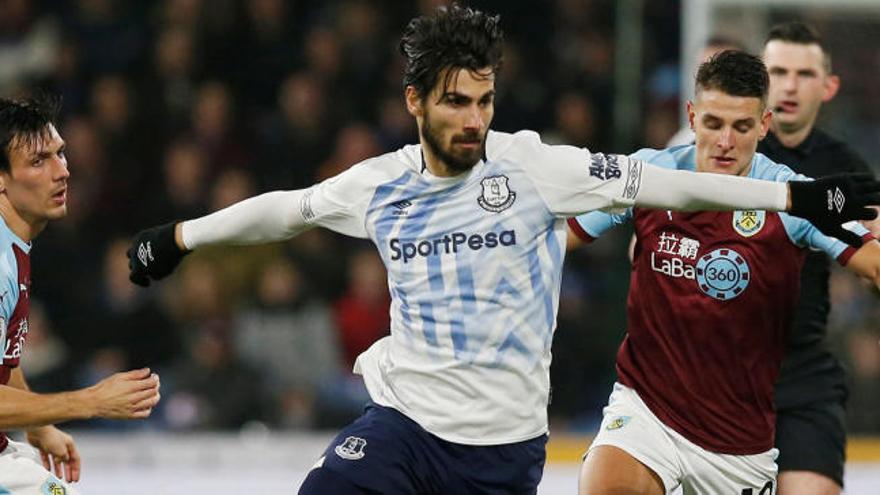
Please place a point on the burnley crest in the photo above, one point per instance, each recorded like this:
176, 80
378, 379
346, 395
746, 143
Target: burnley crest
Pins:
497, 196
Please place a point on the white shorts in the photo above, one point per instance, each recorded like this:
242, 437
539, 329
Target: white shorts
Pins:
629, 425
22, 473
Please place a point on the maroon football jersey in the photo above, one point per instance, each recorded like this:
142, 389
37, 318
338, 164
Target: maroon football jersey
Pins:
17, 326
710, 304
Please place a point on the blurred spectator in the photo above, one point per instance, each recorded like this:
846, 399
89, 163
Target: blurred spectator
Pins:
209, 387
185, 185
288, 334
575, 121
171, 80
111, 34
296, 140
212, 123
863, 346
362, 314
47, 360
355, 143
29, 44
131, 320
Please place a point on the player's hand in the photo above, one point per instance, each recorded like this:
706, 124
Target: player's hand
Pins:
834, 200
153, 254
128, 395
58, 452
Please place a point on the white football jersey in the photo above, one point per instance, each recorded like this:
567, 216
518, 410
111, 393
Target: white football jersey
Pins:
474, 265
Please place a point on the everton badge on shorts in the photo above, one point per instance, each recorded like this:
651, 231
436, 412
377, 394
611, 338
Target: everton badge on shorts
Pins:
496, 196
352, 448
748, 223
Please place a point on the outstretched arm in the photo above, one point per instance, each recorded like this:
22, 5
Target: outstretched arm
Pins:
128, 395
269, 217
827, 203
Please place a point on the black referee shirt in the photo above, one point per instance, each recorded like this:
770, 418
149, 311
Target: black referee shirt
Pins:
810, 373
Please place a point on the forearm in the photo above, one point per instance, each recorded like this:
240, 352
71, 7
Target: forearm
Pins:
688, 191
269, 217
23, 409
866, 262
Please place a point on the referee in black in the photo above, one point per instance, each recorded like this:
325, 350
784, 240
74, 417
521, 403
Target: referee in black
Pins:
811, 392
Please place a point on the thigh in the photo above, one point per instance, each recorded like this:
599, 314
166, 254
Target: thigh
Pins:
22, 473
709, 472
812, 439
631, 435
610, 470
385, 452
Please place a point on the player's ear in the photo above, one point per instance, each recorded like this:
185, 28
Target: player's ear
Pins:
830, 87
691, 114
766, 118
414, 103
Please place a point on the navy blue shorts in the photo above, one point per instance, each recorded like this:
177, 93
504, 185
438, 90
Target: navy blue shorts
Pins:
386, 452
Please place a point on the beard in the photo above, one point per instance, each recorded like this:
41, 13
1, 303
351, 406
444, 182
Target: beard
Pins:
456, 162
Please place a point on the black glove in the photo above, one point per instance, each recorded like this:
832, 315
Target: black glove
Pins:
834, 200
153, 254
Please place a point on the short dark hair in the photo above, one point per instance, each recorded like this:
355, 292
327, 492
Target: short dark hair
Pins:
801, 34
736, 73
25, 122
453, 38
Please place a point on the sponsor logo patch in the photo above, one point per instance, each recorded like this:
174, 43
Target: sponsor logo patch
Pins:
723, 274
352, 448
748, 223
449, 244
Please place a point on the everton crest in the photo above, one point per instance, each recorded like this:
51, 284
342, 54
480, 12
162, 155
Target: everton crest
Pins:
352, 448
496, 196
748, 223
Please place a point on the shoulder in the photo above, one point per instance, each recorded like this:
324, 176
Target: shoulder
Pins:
766, 169
680, 157
8, 276
503, 144
372, 173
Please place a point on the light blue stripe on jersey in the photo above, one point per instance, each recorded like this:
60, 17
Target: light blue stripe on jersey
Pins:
468, 298
554, 247
384, 230
411, 185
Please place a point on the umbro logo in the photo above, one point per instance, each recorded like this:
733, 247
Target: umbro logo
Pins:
401, 207
145, 253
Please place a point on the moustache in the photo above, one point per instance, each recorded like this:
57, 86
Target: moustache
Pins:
469, 139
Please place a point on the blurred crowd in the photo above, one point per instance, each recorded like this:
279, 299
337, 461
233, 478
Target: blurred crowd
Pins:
175, 108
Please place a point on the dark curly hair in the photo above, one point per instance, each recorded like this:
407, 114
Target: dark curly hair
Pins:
453, 38
25, 122
736, 73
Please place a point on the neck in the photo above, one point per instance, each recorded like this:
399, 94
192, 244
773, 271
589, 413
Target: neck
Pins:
793, 138
24, 229
434, 164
